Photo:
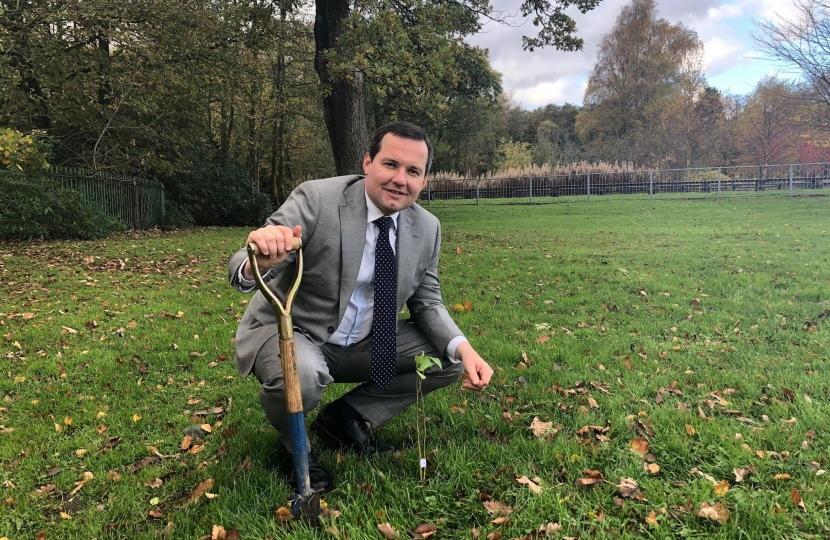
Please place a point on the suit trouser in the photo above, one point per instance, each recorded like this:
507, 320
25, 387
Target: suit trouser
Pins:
323, 365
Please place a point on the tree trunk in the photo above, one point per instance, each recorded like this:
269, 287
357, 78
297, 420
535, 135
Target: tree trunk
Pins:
226, 114
343, 107
104, 62
277, 183
253, 155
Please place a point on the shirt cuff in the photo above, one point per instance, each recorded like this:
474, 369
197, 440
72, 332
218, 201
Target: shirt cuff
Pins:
452, 346
248, 285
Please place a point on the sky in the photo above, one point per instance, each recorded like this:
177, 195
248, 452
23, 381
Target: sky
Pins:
731, 59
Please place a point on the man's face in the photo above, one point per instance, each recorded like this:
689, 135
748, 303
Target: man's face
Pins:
397, 174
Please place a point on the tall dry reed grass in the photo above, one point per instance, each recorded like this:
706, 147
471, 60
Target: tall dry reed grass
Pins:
582, 167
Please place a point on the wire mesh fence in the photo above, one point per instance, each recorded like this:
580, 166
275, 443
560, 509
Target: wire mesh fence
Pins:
717, 182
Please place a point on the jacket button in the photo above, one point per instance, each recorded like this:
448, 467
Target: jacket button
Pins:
331, 329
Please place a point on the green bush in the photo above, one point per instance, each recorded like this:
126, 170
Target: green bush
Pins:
175, 216
24, 151
220, 196
40, 208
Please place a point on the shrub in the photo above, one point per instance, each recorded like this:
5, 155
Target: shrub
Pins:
220, 196
175, 216
24, 151
37, 207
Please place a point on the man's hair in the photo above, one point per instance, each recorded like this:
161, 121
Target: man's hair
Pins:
406, 130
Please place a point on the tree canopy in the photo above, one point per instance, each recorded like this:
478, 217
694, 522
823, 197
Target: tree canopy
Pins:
640, 63
258, 94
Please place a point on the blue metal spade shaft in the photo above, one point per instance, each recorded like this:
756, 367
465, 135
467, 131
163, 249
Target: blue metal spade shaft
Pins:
296, 428
305, 504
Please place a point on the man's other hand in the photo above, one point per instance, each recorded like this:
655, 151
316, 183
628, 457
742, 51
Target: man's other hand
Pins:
478, 371
274, 242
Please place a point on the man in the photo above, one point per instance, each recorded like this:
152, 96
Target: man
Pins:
368, 250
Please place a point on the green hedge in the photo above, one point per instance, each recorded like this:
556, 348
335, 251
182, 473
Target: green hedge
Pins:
212, 195
41, 208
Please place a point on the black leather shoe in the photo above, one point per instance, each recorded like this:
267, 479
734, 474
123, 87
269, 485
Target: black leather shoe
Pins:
318, 476
341, 427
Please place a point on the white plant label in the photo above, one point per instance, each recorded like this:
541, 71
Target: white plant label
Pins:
423, 463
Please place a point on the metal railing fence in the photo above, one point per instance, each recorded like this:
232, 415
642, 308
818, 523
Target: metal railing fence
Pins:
713, 182
137, 202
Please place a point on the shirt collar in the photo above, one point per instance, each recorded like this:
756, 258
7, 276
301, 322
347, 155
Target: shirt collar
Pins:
373, 212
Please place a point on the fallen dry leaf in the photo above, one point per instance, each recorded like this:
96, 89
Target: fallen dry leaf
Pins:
200, 490
284, 514
533, 485
539, 428
706, 476
85, 477
330, 513
716, 512
48, 489
387, 530
629, 489
591, 477
425, 530
639, 445
155, 450
592, 403
742, 472
218, 533
690, 429
186, 442
651, 519
143, 462
653, 468
549, 528
245, 465
784, 476
797, 499
497, 508
154, 483
721, 488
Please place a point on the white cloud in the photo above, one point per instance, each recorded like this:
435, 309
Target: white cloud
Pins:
776, 9
542, 94
728, 11
720, 55
550, 76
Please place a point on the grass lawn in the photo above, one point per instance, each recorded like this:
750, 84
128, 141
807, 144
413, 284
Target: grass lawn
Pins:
671, 356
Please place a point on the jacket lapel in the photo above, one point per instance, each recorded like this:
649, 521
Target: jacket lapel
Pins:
409, 229
352, 239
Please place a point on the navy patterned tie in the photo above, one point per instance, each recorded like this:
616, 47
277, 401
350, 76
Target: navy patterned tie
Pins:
384, 350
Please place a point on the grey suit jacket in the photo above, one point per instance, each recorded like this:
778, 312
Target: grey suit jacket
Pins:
333, 215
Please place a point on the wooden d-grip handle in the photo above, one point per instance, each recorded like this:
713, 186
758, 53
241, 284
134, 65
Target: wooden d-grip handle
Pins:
298, 243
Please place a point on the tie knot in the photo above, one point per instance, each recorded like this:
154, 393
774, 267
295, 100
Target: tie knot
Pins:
384, 223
